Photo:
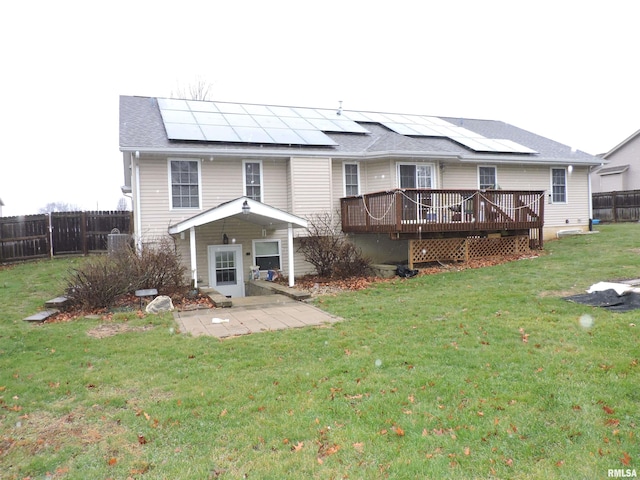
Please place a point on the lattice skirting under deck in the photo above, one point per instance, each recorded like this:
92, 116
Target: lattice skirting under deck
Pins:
463, 249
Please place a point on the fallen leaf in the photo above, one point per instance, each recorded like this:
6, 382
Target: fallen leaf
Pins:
142, 440
467, 451
297, 447
608, 410
112, 461
398, 431
626, 459
359, 446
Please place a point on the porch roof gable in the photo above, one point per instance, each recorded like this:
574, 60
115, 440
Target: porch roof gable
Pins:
242, 208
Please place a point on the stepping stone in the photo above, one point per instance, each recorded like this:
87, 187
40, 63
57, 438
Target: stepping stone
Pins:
41, 316
58, 302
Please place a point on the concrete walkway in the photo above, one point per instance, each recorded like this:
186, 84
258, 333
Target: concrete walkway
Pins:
251, 315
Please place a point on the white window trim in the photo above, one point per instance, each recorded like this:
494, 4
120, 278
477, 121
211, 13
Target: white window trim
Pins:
434, 180
344, 182
277, 240
244, 178
495, 169
179, 159
566, 186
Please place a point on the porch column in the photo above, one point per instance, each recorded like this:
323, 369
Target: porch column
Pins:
194, 263
290, 247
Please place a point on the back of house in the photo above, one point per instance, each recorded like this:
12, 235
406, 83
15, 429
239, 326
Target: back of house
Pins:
236, 185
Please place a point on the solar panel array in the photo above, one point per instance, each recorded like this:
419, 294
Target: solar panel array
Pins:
425, 126
246, 123
268, 124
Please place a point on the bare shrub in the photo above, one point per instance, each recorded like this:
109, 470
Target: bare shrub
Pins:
329, 251
101, 280
96, 284
158, 266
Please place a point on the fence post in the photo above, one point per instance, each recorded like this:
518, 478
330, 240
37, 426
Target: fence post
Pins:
50, 235
83, 232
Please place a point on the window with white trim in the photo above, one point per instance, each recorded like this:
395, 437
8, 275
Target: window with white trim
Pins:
487, 179
415, 176
184, 176
558, 185
252, 179
266, 254
351, 179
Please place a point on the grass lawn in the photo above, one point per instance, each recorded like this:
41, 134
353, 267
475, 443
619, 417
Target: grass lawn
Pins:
483, 373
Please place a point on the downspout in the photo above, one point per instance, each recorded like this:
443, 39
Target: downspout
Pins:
194, 263
292, 281
138, 220
590, 198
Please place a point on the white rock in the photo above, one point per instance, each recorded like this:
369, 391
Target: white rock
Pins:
161, 303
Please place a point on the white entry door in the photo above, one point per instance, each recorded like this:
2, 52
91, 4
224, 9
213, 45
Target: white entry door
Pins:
225, 269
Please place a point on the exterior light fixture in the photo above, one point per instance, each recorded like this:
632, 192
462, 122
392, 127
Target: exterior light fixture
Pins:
245, 208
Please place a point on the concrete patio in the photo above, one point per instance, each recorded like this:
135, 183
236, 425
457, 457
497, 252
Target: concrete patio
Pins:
262, 313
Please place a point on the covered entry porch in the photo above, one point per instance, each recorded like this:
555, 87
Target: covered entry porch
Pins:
225, 256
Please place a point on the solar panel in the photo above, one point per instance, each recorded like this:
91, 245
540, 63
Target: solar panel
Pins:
248, 123
270, 124
219, 133
183, 131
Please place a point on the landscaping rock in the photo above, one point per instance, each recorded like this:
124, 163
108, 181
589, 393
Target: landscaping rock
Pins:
160, 304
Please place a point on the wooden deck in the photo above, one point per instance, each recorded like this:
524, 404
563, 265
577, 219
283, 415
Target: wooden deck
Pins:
418, 213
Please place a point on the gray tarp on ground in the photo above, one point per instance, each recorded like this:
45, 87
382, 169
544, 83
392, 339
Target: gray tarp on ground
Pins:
608, 299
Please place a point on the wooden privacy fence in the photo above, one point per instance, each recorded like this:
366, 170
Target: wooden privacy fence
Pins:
617, 206
59, 233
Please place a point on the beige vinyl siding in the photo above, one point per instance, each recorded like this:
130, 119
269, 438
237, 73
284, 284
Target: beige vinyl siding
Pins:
276, 191
155, 202
337, 167
576, 210
221, 181
459, 176
311, 186
381, 175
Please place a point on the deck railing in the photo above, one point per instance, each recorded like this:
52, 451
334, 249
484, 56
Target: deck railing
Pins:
422, 211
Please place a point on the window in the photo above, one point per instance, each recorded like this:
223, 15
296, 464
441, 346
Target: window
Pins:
487, 178
253, 180
558, 185
415, 176
351, 179
185, 183
266, 254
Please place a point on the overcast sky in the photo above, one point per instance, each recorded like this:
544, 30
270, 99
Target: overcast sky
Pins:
563, 69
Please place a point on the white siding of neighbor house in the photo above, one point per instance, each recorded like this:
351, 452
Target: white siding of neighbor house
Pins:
625, 154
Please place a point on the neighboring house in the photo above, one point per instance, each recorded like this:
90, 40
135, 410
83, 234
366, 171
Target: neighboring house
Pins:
620, 169
235, 185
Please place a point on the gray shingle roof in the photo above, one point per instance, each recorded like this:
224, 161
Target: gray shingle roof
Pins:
142, 128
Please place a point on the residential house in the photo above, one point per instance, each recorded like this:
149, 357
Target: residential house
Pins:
235, 185
620, 168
